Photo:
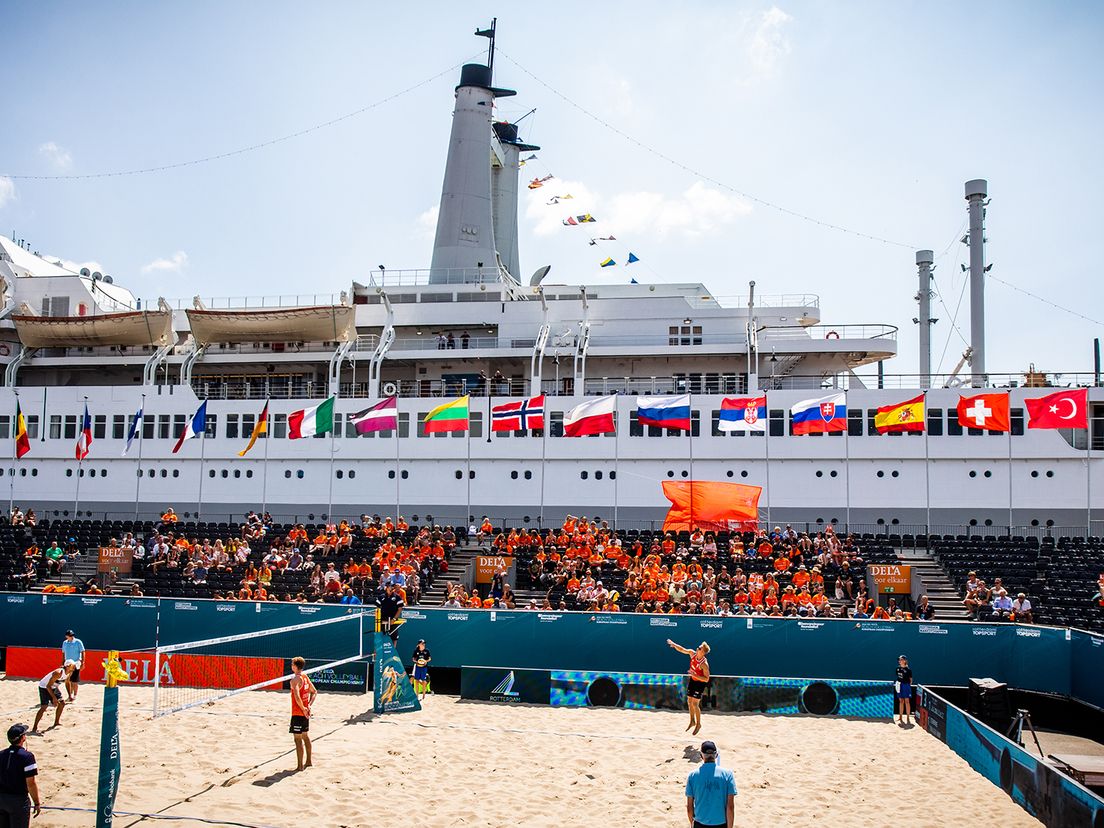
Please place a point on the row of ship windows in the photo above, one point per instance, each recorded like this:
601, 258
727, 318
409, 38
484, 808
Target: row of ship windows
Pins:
860, 423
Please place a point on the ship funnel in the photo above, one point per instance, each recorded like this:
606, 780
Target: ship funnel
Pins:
976, 192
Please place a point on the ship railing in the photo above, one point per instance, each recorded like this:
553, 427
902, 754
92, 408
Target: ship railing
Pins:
912, 382
828, 332
778, 300
289, 300
438, 276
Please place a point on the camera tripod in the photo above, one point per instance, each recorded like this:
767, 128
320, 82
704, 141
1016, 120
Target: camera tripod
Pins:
1015, 730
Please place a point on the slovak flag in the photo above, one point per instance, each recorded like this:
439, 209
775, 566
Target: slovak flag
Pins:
823, 415
84, 439
665, 412
521, 415
1063, 409
196, 426
595, 417
743, 414
988, 411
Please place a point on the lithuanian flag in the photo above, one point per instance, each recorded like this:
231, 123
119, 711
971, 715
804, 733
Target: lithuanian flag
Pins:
452, 416
22, 441
903, 416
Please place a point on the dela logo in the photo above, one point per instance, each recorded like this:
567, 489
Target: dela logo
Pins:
504, 690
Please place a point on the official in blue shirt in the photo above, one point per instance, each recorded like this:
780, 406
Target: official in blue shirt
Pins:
18, 772
710, 792
72, 649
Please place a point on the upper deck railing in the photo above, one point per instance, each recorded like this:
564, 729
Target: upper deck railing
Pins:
777, 300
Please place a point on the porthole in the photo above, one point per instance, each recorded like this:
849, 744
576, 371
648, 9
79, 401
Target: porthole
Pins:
988, 522
471, 474
176, 473
405, 474
597, 475
225, 474
744, 473
1050, 523
69, 472
833, 473
1035, 522
819, 473
287, 474
894, 473
988, 473
895, 521
22, 472
584, 475
339, 473
210, 472
248, 473
525, 519
973, 473
670, 473
881, 474
820, 520
685, 473
352, 474
459, 475
151, 473
91, 472
528, 475
1035, 473
1050, 473
237, 474
391, 474
34, 472
613, 475
835, 521
881, 521
513, 475
299, 474
973, 521
729, 473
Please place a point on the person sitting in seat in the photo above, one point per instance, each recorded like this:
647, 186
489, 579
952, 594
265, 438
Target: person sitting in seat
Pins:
1021, 610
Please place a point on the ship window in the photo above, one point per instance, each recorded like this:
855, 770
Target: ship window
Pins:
32, 426
151, 473
954, 427
871, 429
55, 427
70, 430
471, 474
1035, 473
695, 424
147, 427
895, 474
68, 472
299, 474
635, 428
459, 475
248, 473
231, 426
391, 474
91, 472
776, 422
287, 474
1050, 473
5, 428
833, 473
210, 426
854, 422
165, 473
176, 473
584, 475
475, 425
988, 473
881, 473
99, 426
404, 475
528, 475
555, 423
1017, 421
597, 475
729, 473
670, 473
210, 472
684, 335
935, 422
973, 473
339, 473
513, 475
279, 426
118, 427
819, 473
34, 472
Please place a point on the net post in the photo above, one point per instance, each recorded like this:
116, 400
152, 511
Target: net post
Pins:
156, 677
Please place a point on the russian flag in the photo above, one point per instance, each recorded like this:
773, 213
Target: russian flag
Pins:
743, 414
820, 416
665, 412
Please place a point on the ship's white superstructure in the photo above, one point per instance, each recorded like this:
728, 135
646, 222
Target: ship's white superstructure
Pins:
471, 323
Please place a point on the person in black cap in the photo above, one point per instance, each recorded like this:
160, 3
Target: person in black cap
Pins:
18, 770
710, 792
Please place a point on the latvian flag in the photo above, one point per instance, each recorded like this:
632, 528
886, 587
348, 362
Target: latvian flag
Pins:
743, 414
595, 417
383, 416
522, 415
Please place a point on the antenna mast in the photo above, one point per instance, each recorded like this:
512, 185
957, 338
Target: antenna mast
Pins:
490, 35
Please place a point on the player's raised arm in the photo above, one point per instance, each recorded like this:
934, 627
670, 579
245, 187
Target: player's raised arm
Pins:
682, 650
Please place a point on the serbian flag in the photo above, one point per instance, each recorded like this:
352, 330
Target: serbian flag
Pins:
987, 411
823, 415
22, 441
522, 415
595, 417
383, 416
904, 416
197, 424
311, 421
84, 439
259, 428
452, 416
1063, 409
743, 414
665, 412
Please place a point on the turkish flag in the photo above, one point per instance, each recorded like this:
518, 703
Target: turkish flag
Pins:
1064, 409
988, 411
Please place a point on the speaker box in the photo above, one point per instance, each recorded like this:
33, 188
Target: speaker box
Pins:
989, 702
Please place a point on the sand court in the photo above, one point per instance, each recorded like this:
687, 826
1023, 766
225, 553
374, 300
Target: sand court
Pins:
461, 763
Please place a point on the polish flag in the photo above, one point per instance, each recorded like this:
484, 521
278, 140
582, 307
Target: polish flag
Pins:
595, 417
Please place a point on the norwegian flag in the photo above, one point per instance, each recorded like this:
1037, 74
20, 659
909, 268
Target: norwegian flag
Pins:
519, 416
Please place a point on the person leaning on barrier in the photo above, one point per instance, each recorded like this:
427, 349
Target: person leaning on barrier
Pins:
18, 781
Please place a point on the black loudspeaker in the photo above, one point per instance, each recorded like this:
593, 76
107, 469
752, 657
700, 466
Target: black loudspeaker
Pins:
989, 703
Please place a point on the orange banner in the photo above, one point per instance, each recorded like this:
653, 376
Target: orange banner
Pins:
486, 566
116, 559
707, 504
891, 578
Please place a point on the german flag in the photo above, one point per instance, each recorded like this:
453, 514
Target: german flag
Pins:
260, 428
903, 416
22, 441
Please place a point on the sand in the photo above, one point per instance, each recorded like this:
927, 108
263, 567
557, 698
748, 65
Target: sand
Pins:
460, 763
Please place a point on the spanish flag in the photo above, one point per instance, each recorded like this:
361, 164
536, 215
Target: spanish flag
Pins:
903, 416
451, 416
260, 428
22, 441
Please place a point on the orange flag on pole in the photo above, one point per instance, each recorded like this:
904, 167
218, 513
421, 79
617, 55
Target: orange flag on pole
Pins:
715, 506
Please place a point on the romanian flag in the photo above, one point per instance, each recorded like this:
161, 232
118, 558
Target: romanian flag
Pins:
22, 441
452, 416
260, 428
904, 416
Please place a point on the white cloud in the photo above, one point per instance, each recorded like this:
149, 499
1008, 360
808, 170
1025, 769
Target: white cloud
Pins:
56, 155
69, 264
7, 190
174, 264
769, 44
427, 222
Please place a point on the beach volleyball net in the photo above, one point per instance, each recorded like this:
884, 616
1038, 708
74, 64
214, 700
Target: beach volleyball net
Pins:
200, 672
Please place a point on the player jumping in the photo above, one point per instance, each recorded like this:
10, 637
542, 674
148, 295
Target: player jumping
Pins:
699, 680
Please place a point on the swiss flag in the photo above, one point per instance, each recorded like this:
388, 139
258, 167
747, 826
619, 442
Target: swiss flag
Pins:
988, 411
1064, 409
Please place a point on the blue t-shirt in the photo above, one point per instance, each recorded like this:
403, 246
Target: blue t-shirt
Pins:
710, 786
72, 650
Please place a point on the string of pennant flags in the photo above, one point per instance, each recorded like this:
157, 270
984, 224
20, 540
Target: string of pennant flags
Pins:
1066, 409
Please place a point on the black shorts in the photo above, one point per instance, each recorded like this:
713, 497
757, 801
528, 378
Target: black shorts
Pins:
299, 724
74, 677
44, 696
696, 688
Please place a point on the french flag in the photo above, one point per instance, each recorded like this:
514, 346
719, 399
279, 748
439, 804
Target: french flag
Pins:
196, 425
665, 412
823, 415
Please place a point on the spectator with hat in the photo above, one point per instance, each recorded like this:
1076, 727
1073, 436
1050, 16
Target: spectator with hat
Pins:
18, 783
710, 792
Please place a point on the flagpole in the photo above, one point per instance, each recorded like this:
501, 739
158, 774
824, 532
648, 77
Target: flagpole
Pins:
927, 472
766, 454
140, 426
616, 462
847, 468
544, 461
398, 473
690, 435
80, 466
264, 465
1088, 475
1010, 475
14, 457
202, 457
329, 503
467, 476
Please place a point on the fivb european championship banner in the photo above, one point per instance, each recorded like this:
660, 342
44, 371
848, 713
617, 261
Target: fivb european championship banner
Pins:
393, 691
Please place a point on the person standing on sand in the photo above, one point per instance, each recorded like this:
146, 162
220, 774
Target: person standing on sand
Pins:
710, 792
303, 695
903, 687
699, 680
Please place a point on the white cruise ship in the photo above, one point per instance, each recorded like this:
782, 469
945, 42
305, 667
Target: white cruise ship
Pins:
472, 323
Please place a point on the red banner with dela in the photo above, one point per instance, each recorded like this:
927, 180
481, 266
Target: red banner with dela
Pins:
182, 669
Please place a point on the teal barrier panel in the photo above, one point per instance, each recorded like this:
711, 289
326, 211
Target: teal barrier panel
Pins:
1086, 667
30, 619
183, 620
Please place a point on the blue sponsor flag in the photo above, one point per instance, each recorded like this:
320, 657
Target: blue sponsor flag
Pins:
393, 691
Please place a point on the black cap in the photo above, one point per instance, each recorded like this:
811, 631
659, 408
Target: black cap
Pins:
70, 632
15, 732
708, 749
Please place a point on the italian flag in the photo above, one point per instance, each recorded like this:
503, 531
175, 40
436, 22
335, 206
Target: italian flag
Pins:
311, 421
452, 416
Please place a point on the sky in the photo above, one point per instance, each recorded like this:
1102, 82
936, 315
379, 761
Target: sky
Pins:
692, 131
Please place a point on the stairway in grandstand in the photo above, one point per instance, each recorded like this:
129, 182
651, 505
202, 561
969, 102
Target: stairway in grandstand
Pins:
462, 557
938, 586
